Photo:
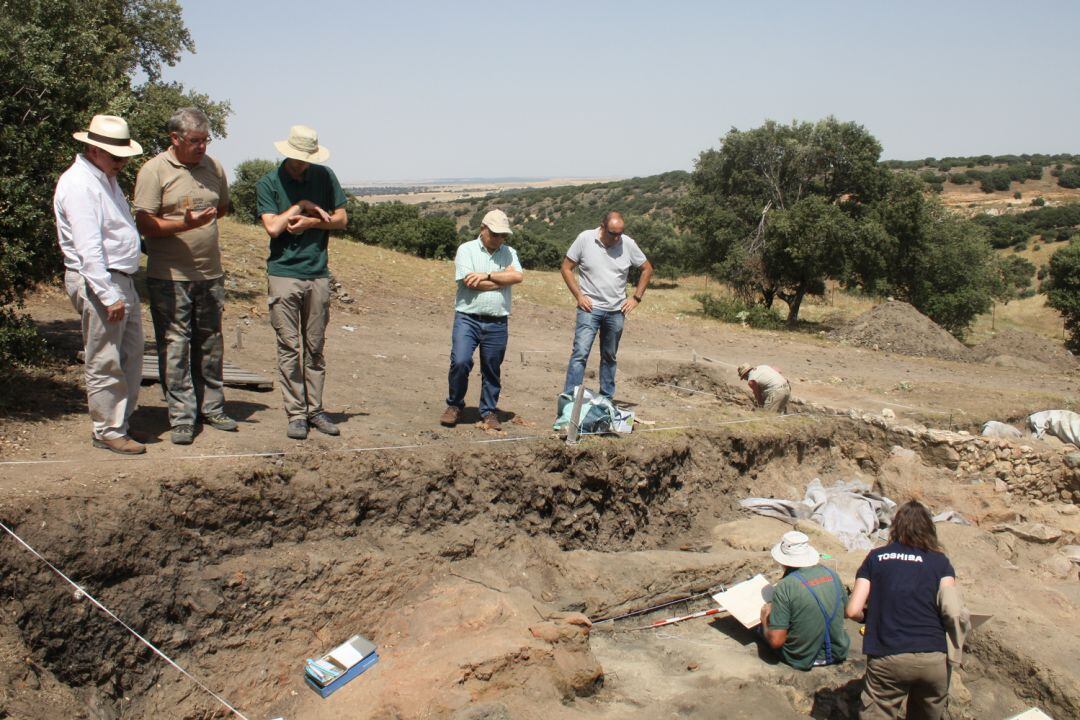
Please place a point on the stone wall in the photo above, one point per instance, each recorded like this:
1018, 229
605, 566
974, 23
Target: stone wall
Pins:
1040, 472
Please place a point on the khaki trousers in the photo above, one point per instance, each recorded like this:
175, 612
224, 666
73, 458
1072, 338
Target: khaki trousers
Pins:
777, 400
113, 354
921, 678
299, 312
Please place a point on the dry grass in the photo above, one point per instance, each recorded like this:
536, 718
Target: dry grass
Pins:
364, 269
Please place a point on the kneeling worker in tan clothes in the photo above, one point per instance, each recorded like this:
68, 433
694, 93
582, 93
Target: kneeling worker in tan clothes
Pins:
771, 389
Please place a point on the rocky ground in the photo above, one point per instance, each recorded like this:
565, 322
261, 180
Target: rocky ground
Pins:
472, 558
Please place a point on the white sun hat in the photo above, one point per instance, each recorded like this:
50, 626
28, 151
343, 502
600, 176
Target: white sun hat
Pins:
497, 222
794, 550
111, 134
303, 144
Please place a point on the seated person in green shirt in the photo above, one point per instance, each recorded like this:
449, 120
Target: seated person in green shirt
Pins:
809, 599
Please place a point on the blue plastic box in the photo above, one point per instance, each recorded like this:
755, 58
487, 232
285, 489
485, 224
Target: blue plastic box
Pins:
345, 677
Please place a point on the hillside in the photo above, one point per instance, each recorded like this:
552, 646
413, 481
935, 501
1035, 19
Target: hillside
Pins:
550, 211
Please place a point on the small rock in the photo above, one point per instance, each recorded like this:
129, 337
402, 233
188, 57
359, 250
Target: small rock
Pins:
1030, 531
888, 414
1073, 459
692, 666
1001, 486
1059, 567
1071, 553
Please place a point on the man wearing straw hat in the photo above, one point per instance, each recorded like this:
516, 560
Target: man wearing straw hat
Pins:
771, 389
179, 195
805, 620
100, 244
299, 203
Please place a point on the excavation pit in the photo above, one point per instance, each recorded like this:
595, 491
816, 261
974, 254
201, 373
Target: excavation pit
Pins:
467, 568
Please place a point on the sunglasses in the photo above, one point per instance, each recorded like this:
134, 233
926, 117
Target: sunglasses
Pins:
612, 232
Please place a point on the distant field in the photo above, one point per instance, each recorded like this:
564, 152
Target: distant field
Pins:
462, 191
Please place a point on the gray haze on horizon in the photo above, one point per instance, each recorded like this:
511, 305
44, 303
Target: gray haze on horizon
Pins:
421, 89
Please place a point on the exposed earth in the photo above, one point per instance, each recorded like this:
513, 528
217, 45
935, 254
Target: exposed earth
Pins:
472, 558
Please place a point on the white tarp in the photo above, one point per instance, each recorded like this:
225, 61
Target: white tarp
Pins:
848, 510
1004, 431
1062, 424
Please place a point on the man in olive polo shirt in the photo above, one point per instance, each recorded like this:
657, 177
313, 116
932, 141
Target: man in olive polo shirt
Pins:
485, 269
299, 203
179, 194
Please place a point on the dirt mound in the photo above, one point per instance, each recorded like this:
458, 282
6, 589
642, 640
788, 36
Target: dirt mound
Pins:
900, 328
1027, 346
700, 378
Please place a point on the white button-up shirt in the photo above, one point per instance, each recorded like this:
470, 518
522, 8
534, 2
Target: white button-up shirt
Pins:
95, 228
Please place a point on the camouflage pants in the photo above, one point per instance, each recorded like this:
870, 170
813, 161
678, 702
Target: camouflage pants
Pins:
190, 347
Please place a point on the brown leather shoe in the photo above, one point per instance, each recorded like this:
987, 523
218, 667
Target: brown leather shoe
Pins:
491, 422
121, 445
451, 416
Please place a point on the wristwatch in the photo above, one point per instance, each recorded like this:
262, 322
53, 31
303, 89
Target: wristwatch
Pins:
489, 277
637, 299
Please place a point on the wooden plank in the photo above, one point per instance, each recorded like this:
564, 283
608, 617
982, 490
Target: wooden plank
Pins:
232, 374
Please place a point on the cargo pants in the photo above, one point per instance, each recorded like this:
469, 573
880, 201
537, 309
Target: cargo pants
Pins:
190, 346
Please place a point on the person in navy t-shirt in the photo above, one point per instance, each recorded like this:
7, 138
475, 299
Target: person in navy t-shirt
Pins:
896, 593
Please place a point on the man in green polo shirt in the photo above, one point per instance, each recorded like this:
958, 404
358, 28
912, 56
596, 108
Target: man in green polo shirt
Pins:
485, 269
299, 203
805, 620
179, 195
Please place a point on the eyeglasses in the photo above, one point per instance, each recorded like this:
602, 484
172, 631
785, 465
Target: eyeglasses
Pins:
204, 141
501, 236
612, 232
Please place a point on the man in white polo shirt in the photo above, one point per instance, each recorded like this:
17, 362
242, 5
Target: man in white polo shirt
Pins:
485, 269
771, 389
603, 257
100, 244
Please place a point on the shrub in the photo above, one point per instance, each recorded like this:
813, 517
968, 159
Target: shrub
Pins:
1038, 202
19, 342
1070, 178
242, 191
1029, 292
1018, 195
733, 310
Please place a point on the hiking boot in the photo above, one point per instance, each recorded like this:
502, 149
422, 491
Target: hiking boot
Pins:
297, 429
491, 422
221, 421
451, 416
121, 445
324, 424
182, 434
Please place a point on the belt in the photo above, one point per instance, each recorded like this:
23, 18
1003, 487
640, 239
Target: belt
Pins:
486, 318
121, 272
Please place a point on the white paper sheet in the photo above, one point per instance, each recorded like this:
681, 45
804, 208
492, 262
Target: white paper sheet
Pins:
744, 600
346, 655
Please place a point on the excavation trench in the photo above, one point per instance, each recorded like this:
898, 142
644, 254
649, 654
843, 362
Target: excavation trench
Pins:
241, 574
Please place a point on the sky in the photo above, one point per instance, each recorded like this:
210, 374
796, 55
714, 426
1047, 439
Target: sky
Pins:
415, 90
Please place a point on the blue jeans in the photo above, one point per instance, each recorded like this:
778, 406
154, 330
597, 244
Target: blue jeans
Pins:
491, 335
610, 325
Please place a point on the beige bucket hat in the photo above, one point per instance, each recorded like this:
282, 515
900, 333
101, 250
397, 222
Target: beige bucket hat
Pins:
497, 222
794, 550
744, 370
111, 134
303, 144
